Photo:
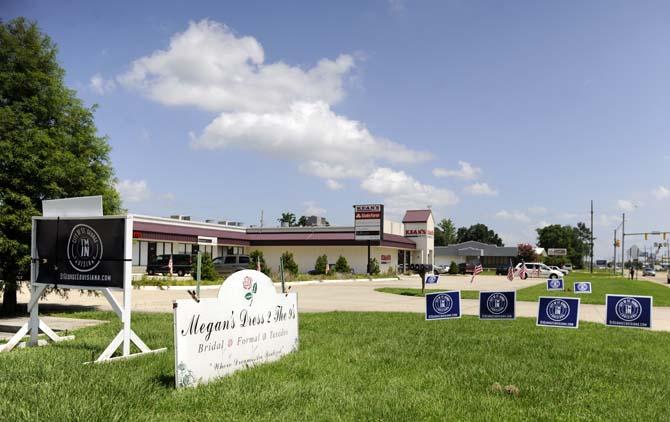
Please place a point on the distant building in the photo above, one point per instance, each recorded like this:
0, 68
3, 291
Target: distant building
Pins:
472, 252
316, 221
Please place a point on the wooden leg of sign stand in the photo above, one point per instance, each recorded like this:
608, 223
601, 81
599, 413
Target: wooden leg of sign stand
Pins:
126, 335
33, 326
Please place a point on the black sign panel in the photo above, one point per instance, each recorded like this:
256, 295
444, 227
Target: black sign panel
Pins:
81, 252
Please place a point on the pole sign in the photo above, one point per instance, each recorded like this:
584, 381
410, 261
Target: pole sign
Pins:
497, 305
432, 278
557, 252
247, 325
369, 222
582, 287
628, 311
443, 305
555, 284
560, 312
80, 252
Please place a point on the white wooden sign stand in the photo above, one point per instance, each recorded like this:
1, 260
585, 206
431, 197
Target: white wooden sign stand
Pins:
123, 338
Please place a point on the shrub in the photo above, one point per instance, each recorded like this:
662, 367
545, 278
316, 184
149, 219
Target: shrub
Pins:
342, 266
289, 263
256, 256
453, 268
321, 264
207, 270
374, 266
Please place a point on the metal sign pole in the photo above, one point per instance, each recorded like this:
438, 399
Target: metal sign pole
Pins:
198, 274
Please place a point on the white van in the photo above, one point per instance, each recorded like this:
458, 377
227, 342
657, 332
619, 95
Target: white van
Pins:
538, 269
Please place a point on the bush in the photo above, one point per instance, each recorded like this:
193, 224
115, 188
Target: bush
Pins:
321, 264
256, 256
289, 263
453, 268
342, 266
207, 270
374, 266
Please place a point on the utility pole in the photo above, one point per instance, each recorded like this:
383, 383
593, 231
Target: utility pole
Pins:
261, 219
623, 243
592, 236
614, 260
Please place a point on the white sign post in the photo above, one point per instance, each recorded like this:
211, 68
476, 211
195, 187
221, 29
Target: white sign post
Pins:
248, 324
74, 253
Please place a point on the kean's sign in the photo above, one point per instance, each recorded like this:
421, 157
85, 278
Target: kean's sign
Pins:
432, 278
81, 252
582, 287
369, 222
497, 305
443, 305
248, 324
628, 311
560, 312
555, 284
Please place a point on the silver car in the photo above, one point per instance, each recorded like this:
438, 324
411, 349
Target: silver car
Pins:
225, 265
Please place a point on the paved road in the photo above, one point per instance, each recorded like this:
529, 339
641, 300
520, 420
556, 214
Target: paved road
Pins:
354, 296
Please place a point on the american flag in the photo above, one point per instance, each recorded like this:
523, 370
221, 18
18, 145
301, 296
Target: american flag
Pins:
478, 269
522, 271
510, 271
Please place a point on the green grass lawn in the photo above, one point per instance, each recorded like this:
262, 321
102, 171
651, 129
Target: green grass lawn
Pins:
601, 285
465, 294
358, 366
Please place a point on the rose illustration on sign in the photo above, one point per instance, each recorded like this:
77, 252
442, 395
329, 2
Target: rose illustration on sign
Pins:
249, 284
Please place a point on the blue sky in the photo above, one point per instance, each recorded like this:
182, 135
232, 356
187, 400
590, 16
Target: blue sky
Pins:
513, 114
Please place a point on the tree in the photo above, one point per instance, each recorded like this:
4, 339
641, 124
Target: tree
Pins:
526, 252
49, 146
207, 270
374, 266
321, 265
446, 226
287, 218
576, 240
256, 256
289, 263
302, 221
453, 268
341, 265
479, 233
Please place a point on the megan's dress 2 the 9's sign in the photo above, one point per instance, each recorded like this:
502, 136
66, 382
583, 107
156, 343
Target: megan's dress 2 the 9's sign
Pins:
81, 252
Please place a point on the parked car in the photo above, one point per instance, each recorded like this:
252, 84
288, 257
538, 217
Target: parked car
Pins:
567, 267
538, 269
442, 269
648, 272
181, 264
502, 269
564, 271
225, 265
464, 268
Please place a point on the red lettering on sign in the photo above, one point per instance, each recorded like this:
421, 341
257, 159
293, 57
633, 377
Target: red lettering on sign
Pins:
137, 234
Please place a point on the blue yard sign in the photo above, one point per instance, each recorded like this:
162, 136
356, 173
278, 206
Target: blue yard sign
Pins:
497, 305
554, 284
432, 278
628, 311
443, 305
558, 312
582, 287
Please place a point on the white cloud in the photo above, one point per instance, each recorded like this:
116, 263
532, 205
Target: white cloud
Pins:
513, 216
210, 67
661, 192
401, 191
396, 6
312, 209
626, 205
480, 189
133, 190
466, 171
537, 210
100, 85
330, 144
333, 184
